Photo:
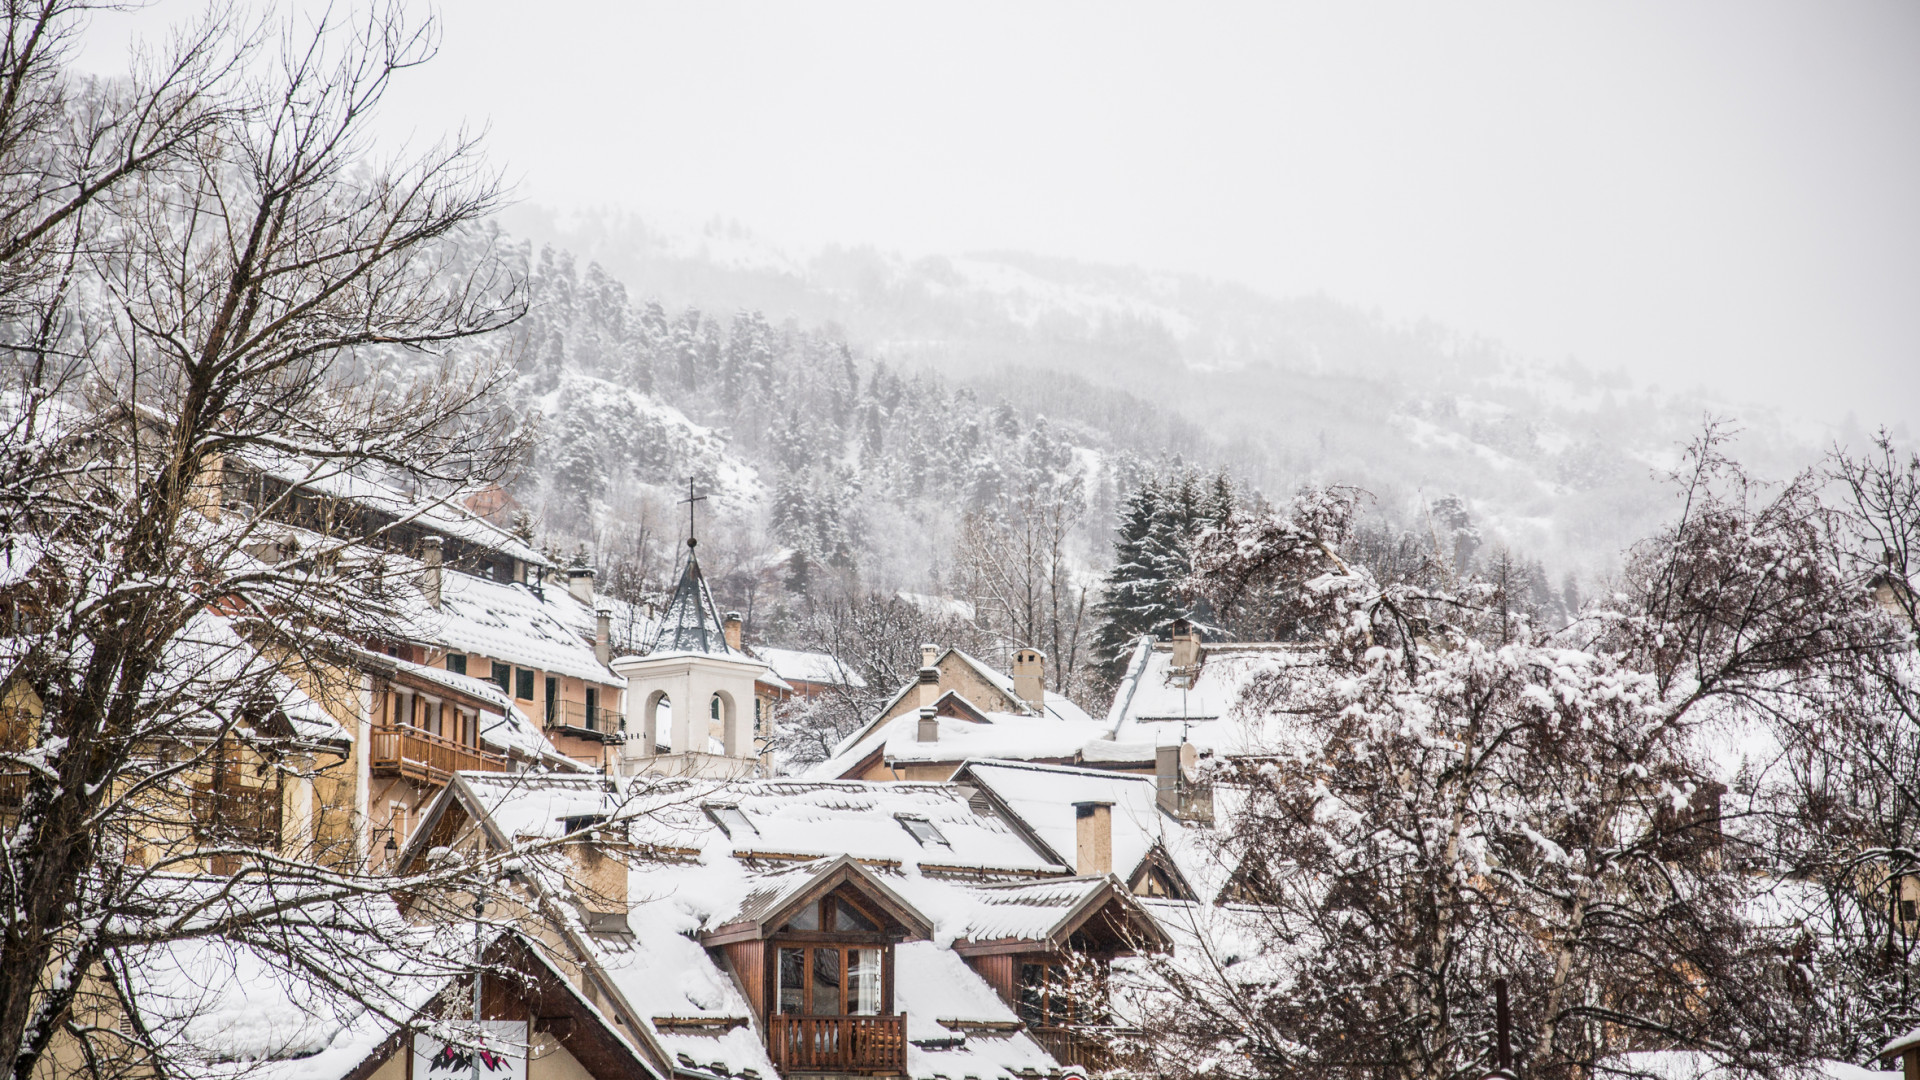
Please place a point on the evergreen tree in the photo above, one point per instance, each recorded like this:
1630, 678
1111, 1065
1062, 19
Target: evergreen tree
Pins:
1137, 595
1153, 554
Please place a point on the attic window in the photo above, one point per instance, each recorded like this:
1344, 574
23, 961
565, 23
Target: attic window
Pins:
574, 823
731, 819
922, 830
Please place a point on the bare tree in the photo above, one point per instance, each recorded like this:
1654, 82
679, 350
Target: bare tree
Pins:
1011, 558
241, 284
875, 637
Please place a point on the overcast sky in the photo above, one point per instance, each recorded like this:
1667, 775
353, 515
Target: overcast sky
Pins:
1724, 193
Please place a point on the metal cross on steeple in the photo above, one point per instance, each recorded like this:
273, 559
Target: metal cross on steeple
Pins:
690, 500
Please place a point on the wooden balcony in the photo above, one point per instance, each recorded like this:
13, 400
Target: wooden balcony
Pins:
418, 754
869, 1045
1091, 1049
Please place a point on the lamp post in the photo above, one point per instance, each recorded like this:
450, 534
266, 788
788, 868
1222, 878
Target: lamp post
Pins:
479, 965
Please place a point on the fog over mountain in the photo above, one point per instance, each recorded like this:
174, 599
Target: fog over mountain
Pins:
1558, 461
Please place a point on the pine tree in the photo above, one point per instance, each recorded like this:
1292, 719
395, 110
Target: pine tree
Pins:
1137, 594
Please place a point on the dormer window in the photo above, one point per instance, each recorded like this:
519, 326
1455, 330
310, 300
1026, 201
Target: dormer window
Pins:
832, 958
731, 819
922, 830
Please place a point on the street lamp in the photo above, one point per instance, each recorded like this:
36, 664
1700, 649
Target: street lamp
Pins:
479, 965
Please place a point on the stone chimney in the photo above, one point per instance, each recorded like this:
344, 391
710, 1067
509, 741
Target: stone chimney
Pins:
1093, 834
929, 655
599, 877
929, 726
732, 630
929, 683
1030, 678
580, 582
603, 635
1186, 645
430, 578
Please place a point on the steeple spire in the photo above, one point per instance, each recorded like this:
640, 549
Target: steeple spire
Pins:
691, 622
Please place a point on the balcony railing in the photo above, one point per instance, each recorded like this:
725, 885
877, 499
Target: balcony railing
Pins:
576, 715
1089, 1048
870, 1045
410, 752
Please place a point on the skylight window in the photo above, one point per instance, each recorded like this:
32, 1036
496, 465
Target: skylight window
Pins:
731, 819
922, 830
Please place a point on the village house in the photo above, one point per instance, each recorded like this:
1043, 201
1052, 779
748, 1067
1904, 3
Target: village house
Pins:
235, 1010
811, 674
501, 665
958, 707
763, 928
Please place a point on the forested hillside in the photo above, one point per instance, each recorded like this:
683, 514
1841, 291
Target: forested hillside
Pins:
867, 427
1549, 455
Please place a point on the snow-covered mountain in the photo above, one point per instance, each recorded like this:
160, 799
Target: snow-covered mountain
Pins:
1555, 459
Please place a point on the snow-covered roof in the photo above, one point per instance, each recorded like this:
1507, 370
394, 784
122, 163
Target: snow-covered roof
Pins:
810, 818
208, 659
441, 515
226, 1008
1017, 736
1042, 738
1043, 797
816, 667
1057, 706
1151, 705
1693, 1065
514, 624
932, 984
535, 806
673, 983
1032, 910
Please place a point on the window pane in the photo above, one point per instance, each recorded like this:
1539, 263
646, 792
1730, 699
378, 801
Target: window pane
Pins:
793, 973
807, 918
457, 663
848, 918
1033, 994
826, 982
863, 982
523, 684
1059, 1001
503, 676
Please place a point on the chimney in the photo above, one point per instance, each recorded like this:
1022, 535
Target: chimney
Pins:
1030, 678
929, 683
580, 582
1175, 789
599, 876
1093, 833
732, 630
929, 726
603, 635
1186, 645
929, 655
430, 579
